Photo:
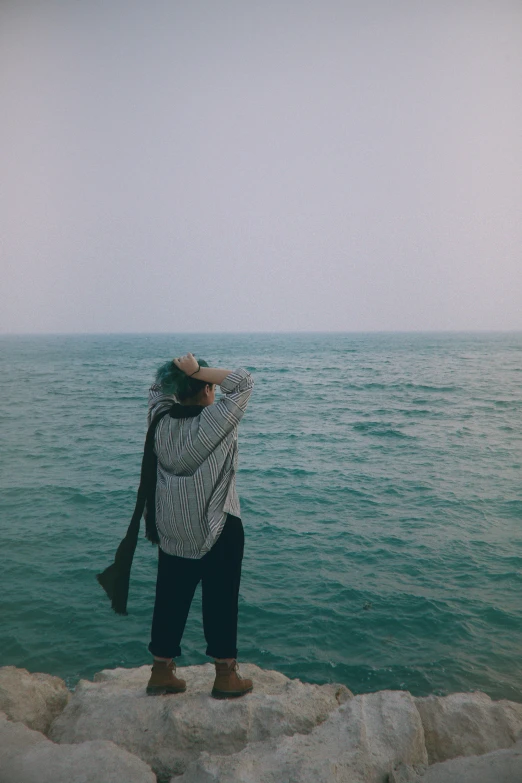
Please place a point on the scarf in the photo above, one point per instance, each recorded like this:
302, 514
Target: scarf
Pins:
115, 579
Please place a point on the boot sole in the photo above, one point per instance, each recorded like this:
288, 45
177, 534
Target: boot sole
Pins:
161, 690
230, 694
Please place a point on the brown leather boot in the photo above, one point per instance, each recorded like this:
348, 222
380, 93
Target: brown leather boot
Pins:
228, 683
163, 680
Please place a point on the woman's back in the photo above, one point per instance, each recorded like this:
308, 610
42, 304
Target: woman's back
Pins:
197, 465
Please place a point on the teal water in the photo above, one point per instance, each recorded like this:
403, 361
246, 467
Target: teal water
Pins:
380, 488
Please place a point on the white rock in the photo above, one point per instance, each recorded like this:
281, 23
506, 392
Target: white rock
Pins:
168, 732
34, 699
26, 756
16, 738
501, 766
405, 773
361, 742
467, 724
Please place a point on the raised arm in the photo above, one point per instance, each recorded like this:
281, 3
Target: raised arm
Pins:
189, 365
218, 420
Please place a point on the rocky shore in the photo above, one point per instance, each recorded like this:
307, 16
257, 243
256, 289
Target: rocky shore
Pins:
286, 731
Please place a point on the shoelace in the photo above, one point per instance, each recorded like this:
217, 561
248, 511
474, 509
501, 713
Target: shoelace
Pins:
169, 665
235, 668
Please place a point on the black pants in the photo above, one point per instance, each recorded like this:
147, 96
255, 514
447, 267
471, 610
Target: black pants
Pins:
220, 573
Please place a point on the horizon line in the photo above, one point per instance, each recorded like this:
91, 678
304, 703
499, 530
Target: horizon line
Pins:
267, 332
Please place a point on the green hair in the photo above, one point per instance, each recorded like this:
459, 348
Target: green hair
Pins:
174, 381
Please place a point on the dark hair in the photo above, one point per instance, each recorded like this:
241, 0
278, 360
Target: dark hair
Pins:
174, 381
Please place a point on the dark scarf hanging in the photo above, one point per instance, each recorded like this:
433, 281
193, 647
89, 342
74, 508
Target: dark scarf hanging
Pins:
115, 579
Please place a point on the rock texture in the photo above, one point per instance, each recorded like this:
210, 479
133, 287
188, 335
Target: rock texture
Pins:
501, 766
168, 732
27, 756
286, 731
34, 699
467, 724
361, 742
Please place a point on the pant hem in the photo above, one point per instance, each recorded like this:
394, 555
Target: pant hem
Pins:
175, 654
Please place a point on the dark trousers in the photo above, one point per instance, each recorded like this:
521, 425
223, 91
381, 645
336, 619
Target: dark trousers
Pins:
220, 574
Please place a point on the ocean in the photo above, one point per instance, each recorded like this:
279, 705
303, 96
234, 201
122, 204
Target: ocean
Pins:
379, 478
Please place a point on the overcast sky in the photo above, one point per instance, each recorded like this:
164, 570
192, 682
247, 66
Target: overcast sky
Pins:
260, 165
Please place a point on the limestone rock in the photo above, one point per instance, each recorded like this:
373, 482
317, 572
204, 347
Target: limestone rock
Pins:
26, 756
405, 773
500, 766
15, 738
467, 724
168, 732
34, 699
361, 742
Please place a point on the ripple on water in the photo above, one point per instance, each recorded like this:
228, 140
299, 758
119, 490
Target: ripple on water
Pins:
380, 508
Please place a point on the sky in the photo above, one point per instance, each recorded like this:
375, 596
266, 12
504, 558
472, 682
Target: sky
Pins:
260, 165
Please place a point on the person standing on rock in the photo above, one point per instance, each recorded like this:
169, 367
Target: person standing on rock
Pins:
197, 516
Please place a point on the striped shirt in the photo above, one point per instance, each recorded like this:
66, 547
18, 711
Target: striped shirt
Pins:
197, 465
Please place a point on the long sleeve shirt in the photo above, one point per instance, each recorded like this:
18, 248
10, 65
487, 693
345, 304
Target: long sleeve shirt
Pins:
197, 465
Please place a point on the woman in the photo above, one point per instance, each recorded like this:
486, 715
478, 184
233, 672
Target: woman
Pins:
197, 517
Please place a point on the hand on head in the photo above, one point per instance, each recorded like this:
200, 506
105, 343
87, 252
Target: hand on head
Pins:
188, 363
